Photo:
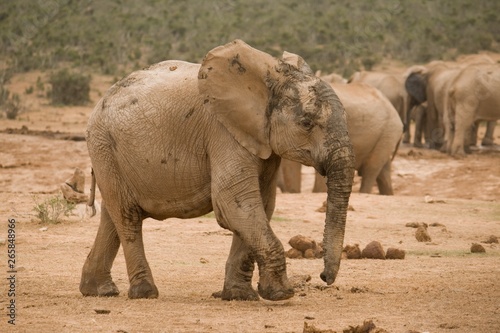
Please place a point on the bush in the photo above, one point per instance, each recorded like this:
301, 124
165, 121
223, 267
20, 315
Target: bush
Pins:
12, 106
50, 210
69, 88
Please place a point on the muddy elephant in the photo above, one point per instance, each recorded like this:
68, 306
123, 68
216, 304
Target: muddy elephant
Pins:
472, 96
180, 139
375, 129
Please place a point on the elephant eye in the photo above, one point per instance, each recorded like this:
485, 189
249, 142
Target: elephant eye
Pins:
307, 123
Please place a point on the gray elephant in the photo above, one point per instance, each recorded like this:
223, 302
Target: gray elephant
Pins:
180, 140
375, 129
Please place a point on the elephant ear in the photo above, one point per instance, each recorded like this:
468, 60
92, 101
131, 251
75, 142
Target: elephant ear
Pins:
416, 85
232, 80
297, 62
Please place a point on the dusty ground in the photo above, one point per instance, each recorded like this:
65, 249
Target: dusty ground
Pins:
439, 287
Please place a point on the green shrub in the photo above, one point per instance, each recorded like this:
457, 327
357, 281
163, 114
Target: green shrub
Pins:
52, 209
69, 88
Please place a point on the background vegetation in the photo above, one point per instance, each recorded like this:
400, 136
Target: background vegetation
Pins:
116, 36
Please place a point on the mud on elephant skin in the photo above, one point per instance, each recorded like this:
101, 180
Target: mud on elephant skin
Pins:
375, 129
180, 140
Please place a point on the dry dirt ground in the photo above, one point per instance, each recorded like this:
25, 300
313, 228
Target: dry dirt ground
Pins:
439, 287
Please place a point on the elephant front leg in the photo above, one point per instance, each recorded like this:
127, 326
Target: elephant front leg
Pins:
96, 274
239, 271
253, 241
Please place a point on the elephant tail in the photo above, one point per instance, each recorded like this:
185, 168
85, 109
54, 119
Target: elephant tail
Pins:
91, 201
396, 149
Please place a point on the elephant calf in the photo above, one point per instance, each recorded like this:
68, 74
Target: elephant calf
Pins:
180, 140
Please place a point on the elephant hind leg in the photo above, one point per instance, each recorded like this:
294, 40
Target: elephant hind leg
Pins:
368, 178
384, 181
129, 226
96, 275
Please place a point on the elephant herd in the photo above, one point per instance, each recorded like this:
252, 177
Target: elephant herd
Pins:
445, 99
179, 140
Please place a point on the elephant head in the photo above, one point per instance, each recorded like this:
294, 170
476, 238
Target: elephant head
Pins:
278, 106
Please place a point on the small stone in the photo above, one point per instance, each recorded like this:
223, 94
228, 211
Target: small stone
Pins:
102, 311
203, 261
318, 250
301, 243
491, 240
477, 248
2, 241
421, 234
352, 251
43, 229
309, 254
373, 250
394, 253
294, 254
412, 224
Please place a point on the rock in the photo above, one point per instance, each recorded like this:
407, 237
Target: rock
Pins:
477, 248
294, 254
491, 240
412, 224
309, 254
421, 234
73, 188
373, 250
77, 181
301, 243
352, 251
394, 253
318, 250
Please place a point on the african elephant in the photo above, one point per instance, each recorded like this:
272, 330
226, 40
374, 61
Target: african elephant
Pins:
473, 95
180, 139
430, 83
391, 85
375, 129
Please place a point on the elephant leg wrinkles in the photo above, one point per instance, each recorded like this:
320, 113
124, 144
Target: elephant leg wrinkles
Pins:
247, 214
96, 275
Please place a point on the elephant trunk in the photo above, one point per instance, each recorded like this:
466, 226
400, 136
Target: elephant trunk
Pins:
340, 175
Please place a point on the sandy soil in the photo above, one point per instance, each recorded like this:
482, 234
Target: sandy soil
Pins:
439, 287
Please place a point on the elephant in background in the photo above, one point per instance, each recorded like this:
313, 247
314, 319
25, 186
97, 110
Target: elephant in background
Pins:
375, 129
472, 96
430, 83
180, 140
392, 86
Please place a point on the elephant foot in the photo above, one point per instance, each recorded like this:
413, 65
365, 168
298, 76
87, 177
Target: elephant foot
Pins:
418, 145
142, 289
487, 142
237, 294
90, 287
275, 291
